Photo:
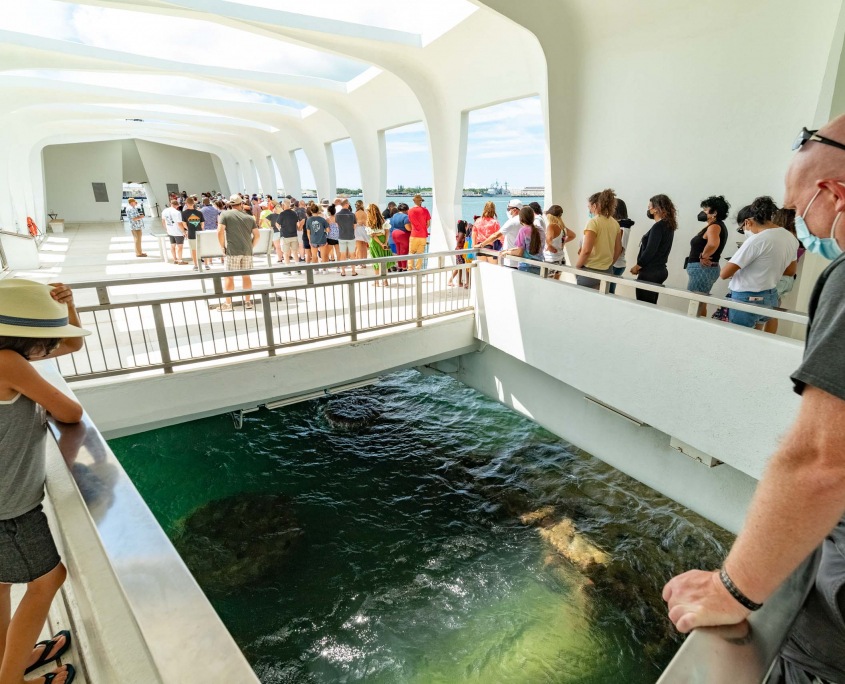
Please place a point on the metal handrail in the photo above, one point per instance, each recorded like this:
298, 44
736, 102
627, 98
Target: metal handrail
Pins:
308, 268
744, 653
693, 297
162, 334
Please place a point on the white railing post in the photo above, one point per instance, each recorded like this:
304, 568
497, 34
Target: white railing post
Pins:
161, 335
419, 291
353, 313
268, 324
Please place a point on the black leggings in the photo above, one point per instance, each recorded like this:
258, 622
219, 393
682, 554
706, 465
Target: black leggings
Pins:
655, 276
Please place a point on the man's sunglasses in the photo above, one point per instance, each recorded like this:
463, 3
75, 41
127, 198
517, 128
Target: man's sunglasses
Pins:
805, 136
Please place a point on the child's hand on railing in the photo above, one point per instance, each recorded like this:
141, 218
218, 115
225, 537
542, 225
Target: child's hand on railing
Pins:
61, 293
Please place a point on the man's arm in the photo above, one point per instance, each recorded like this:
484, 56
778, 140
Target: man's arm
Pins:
256, 236
797, 503
728, 270
221, 236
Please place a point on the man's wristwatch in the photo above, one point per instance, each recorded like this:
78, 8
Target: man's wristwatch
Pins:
734, 591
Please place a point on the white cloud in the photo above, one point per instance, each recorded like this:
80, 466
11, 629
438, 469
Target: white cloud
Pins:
39, 17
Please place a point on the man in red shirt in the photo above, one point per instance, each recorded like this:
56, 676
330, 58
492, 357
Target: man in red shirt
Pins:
420, 223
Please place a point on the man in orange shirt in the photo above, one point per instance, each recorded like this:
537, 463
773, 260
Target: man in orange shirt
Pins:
420, 223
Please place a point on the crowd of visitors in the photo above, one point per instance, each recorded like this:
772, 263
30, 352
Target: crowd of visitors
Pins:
328, 233
761, 272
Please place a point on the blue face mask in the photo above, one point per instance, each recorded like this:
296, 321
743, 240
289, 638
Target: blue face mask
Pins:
825, 247
591, 215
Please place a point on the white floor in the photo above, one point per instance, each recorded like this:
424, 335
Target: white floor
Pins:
94, 251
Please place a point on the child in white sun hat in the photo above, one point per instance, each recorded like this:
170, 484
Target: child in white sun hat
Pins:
36, 322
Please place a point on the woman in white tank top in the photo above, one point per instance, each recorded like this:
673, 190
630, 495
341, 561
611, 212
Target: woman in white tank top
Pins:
557, 235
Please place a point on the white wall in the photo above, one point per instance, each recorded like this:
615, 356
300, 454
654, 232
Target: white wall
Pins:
69, 171
190, 170
681, 98
720, 388
721, 494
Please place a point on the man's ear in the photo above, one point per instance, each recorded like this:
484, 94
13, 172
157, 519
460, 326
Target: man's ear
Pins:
838, 190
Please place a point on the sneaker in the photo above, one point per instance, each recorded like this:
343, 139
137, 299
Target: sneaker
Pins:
195, 268
225, 307
207, 267
249, 305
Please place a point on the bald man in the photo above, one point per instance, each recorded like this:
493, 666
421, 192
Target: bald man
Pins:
800, 501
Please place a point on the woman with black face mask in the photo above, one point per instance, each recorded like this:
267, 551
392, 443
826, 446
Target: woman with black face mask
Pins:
656, 245
706, 247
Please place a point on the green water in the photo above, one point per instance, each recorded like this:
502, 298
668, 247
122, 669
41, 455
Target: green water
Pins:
413, 565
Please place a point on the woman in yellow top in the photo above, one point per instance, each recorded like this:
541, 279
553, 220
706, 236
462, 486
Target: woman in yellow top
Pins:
602, 243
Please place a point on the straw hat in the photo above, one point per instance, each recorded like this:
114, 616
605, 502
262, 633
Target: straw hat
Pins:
28, 310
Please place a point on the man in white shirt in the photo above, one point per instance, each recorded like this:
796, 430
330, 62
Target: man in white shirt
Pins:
171, 219
510, 230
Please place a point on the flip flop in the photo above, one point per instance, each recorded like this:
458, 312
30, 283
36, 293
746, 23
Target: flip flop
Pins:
71, 675
48, 644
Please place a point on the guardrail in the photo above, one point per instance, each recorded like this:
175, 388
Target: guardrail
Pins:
744, 653
161, 334
693, 299
136, 612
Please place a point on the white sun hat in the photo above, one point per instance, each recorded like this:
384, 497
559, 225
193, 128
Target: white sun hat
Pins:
28, 310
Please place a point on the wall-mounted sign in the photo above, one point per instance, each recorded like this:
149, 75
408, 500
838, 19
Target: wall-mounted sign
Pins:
101, 194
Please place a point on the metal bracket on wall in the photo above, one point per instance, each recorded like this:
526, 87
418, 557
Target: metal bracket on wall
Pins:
238, 416
694, 453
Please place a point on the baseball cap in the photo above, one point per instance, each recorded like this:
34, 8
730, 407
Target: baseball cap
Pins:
514, 204
236, 199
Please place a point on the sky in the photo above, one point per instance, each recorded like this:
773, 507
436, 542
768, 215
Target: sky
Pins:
506, 142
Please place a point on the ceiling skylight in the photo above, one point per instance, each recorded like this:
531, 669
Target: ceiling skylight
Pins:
183, 40
157, 85
429, 19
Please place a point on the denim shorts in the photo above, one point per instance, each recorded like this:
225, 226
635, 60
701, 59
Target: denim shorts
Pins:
701, 278
27, 549
767, 298
527, 268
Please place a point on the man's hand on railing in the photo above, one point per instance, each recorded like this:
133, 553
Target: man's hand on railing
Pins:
699, 599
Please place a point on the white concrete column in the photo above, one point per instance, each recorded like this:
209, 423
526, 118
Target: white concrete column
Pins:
372, 159
381, 198
321, 166
447, 138
329, 190
295, 175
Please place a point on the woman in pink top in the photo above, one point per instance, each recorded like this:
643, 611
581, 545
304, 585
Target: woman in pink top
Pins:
486, 225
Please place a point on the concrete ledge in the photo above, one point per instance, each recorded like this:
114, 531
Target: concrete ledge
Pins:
136, 609
719, 494
720, 388
127, 405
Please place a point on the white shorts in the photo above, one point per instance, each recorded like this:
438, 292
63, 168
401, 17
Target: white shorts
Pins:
290, 245
361, 234
347, 246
